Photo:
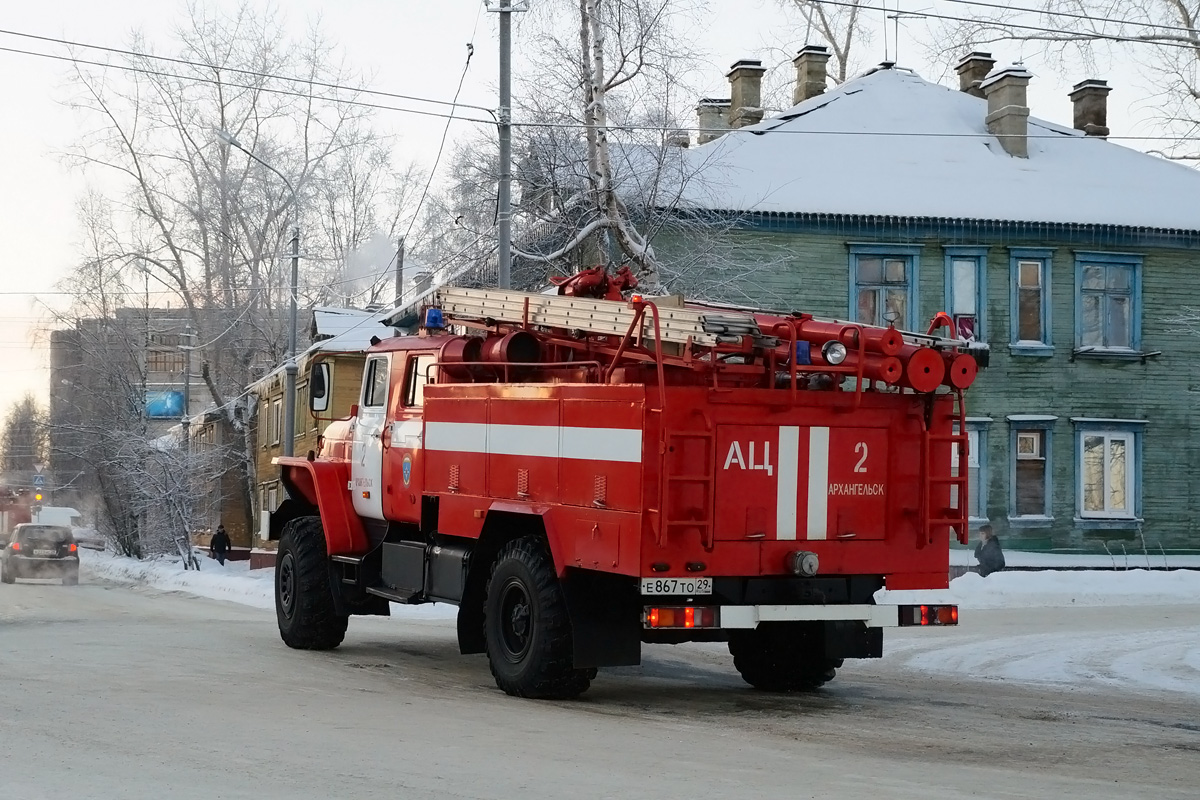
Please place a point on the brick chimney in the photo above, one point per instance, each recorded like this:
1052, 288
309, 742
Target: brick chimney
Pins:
1091, 106
811, 72
1008, 109
972, 69
745, 89
679, 138
713, 113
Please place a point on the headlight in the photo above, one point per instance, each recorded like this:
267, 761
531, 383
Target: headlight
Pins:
834, 353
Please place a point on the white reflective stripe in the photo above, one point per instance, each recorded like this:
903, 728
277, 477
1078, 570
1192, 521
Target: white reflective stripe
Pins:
602, 444
818, 483
788, 483
522, 440
467, 437
542, 441
749, 616
406, 433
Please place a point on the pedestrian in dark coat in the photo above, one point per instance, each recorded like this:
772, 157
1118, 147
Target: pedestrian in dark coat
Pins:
988, 552
218, 546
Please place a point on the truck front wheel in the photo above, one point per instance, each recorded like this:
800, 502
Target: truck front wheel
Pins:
527, 627
308, 618
783, 656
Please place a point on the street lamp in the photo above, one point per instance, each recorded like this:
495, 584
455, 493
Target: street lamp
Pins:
290, 367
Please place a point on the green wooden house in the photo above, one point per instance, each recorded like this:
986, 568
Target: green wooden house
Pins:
892, 198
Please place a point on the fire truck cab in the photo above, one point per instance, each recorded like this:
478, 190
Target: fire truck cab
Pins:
582, 475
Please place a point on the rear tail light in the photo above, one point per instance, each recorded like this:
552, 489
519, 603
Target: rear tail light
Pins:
928, 615
73, 548
681, 617
16, 545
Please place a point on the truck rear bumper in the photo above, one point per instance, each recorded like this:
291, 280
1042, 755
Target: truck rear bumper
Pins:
747, 617
743, 617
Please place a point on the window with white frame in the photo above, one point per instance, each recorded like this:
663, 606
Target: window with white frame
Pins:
1030, 317
1030, 471
1107, 313
882, 280
1107, 474
965, 293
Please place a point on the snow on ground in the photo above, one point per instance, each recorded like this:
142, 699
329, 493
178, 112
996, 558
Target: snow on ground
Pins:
1014, 589
234, 581
1091, 655
1131, 560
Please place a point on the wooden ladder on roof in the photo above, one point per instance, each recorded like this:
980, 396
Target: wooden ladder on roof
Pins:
956, 519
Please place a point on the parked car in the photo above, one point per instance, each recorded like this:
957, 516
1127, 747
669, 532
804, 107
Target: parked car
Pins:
40, 551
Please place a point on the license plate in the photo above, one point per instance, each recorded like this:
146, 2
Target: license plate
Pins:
688, 586
45, 552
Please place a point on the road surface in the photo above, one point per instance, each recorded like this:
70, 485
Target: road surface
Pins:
119, 692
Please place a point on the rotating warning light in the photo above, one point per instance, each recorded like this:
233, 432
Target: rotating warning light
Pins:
834, 353
38, 497
434, 319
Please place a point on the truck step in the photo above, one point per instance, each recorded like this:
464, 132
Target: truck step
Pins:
394, 595
356, 560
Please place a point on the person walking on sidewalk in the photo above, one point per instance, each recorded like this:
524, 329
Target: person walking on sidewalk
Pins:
219, 546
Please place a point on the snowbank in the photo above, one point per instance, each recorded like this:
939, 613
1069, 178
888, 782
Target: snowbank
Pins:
1054, 588
234, 581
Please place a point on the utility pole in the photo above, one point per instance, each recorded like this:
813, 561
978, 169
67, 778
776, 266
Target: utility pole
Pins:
399, 272
186, 421
505, 8
291, 368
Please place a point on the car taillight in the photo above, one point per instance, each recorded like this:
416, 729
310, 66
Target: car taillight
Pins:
928, 615
73, 547
681, 617
16, 545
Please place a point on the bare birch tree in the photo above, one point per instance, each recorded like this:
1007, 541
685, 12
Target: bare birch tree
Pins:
614, 84
207, 228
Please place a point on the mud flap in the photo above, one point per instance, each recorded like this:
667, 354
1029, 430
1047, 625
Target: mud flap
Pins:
606, 623
852, 639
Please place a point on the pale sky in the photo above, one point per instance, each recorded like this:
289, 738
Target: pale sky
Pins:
410, 46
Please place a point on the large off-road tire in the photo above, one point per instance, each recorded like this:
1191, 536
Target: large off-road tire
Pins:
6, 573
783, 656
308, 619
527, 627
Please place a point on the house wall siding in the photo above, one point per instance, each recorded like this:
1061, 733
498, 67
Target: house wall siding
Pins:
808, 271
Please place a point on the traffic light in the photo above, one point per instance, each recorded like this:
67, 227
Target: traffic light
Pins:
37, 497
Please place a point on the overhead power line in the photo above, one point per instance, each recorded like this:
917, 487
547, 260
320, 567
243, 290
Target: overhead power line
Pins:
616, 128
1064, 34
239, 71
1071, 15
217, 82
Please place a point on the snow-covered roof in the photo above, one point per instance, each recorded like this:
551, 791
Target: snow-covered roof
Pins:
890, 143
329, 322
356, 338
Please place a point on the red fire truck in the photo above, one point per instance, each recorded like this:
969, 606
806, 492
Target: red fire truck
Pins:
581, 473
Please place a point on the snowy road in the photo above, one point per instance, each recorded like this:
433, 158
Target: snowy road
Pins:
117, 692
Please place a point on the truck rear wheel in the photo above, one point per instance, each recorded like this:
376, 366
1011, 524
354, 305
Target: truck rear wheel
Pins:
783, 656
527, 627
304, 606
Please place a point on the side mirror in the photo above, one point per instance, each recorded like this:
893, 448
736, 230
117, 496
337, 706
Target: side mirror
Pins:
318, 387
